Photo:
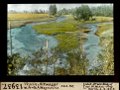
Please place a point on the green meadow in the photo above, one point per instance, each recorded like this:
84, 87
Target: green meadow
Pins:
61, 41
66, 31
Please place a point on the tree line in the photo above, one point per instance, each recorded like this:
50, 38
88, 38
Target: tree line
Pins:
103, 10
83, 12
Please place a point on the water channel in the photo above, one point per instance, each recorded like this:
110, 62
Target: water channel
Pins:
25, 41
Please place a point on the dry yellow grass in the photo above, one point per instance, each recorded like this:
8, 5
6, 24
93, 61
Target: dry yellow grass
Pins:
27, 18
103, 27
22, 16
103, 19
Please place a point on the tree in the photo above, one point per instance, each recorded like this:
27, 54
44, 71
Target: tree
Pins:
82, 12
15, 63
64, 11
52, 10
103, 10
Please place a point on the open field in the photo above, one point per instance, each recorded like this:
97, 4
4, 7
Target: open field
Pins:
18, 20
98, 19
68, 25
63, 31
21, 19
66, 31
26, 16
103, 19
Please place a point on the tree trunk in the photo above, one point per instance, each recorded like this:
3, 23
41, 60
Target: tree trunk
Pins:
10, 39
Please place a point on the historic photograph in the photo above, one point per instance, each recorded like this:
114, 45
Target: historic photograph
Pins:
60, 39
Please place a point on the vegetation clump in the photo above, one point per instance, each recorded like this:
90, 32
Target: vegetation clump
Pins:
106, 57
82, 12
15, 63
70, 34
103, 28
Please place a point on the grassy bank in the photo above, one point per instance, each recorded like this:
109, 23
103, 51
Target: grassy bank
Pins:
67, 42
103, 19
70, 25
106, 57
23, 16
103, 27
66, 31
21, 19
98, 19
18, 20
53, 28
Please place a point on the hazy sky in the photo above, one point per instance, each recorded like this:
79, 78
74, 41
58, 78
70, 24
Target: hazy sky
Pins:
31, 7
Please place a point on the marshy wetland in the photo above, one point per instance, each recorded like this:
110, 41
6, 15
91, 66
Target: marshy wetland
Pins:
59, 45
